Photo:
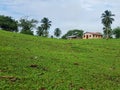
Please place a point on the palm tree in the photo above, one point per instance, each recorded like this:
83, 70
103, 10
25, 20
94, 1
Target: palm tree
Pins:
105, 31
40, 31
27, 25
45, 25
107, 21
57, 32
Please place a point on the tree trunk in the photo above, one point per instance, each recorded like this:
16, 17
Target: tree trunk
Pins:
107, 37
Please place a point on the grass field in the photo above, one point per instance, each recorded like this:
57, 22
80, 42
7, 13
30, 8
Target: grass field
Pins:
35, 63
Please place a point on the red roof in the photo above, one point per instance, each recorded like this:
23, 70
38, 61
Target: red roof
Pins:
94, 33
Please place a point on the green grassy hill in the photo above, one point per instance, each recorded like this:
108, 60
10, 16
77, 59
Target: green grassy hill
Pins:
35, 63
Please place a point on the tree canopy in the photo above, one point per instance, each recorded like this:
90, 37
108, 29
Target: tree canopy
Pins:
57, 32
40, 31
46, 23
107, 21
116, 32
76, 32
8, 23
27, 25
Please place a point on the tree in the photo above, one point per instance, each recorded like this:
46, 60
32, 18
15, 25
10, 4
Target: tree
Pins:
107, 21
57, 32
8, 24
45, 25
116, 32
76, 32
40, 31
52, 36
27, 25
109, 31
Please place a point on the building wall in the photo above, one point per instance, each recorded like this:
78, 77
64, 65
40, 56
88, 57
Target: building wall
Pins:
91, 36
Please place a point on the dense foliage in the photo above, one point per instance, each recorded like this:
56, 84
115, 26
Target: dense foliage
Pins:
27, 25
116, 32
76, 32
8, 23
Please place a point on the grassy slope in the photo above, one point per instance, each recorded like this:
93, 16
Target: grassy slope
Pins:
35, 63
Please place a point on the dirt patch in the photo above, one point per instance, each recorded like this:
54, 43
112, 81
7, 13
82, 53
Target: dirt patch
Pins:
42, 88
81, 88
76, 63
11, 78
34, 65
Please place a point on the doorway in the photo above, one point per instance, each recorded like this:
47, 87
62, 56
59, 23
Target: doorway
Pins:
86, 36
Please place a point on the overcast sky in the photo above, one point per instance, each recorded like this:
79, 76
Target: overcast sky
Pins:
64, 14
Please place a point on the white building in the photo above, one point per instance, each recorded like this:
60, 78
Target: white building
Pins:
92, 35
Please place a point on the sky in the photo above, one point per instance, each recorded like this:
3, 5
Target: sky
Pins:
64, 14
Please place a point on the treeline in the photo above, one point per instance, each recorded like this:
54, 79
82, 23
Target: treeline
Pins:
27, 26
